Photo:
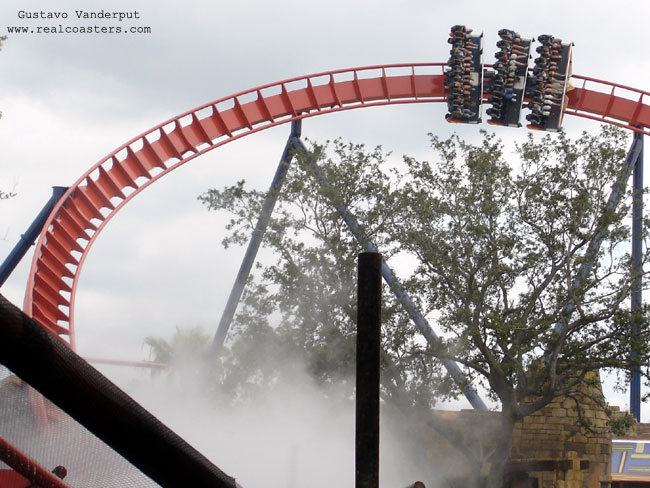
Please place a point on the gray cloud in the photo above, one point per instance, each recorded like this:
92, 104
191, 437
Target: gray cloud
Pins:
68, 100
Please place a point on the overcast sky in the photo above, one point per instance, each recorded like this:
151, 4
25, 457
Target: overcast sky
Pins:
69, 99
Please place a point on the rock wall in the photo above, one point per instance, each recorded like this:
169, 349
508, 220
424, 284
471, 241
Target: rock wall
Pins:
566, 444
572, 436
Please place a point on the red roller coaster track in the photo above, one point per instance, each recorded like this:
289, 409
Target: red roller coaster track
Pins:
106, 187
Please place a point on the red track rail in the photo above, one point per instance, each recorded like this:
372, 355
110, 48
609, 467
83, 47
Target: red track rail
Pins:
619, 104
105, 188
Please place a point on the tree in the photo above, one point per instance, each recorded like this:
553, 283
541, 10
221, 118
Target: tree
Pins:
497, 252
312, 285
185, 350
504, 269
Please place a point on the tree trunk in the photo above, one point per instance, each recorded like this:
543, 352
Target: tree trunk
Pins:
501, 455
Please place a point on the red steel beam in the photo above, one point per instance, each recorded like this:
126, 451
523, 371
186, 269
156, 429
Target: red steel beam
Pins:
28, 468
122, 362
107, 186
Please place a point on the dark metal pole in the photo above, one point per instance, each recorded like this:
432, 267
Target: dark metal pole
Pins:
256, 240
28, 238
402, 295
637, 270
368, 354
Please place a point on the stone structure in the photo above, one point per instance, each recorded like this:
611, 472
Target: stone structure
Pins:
566, 444
569, 438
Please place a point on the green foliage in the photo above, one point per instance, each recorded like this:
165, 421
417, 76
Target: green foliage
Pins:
517, 262
304, 305
495, 251
620, 423
184, 352
499, 252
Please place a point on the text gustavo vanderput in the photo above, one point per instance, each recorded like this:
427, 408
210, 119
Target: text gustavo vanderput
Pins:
79, 14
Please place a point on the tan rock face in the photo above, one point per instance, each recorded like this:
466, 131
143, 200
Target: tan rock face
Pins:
573, 429
567, 444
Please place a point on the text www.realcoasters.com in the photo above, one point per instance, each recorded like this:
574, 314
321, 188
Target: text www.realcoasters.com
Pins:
61, 22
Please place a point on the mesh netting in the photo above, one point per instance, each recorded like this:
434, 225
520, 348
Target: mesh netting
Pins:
100, 406
88, 461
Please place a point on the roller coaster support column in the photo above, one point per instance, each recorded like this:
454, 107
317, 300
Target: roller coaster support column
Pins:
256, 239
28, 238
398, 290
637, 284
618, 189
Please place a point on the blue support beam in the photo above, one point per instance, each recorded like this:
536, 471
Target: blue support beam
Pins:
294, 142
637, 269
399, 291
29, 237
633, 166
618, 190
256, 239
